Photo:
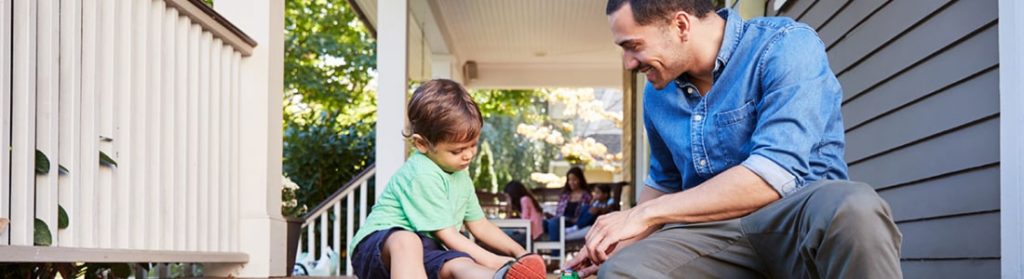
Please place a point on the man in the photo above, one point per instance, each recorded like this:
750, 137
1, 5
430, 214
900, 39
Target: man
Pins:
747, 177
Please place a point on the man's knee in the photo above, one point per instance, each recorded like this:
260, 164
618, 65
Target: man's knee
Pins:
857, 209
615, 267
859, 202
627, 263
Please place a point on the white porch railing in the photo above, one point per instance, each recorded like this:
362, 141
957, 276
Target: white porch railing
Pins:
331, 222
135, 107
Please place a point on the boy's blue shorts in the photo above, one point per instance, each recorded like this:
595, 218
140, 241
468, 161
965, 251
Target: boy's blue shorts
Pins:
368, 264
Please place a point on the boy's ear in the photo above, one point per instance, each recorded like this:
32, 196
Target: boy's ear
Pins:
421, 144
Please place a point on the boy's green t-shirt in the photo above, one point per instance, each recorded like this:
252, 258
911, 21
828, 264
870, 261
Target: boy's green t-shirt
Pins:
421, 197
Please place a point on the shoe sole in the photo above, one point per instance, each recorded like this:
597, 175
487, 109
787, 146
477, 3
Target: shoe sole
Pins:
529, 267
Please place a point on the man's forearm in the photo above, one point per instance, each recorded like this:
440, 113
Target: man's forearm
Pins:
733, 193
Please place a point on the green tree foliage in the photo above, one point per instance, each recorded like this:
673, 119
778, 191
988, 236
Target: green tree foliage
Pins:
484, 178
329, 115
512, 157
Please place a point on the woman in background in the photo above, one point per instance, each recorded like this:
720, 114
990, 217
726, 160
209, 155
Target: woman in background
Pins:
575, 195
524, 205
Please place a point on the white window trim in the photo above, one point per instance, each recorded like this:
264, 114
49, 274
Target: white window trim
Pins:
1011, 130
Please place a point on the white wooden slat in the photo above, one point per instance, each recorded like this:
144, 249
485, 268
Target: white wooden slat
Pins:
204, 141
155, 136
181, 131
89, 148
105, 108
192, 190
323, 235
123, 122
336, 232
23, 120
310, 240
362, 203
140, 217
47, 109
214, 141
225, 149
167, 175
236, 59
70, 122
349, 228
5, 115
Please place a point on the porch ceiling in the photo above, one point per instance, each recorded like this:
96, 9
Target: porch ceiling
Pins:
521, 43
566, 32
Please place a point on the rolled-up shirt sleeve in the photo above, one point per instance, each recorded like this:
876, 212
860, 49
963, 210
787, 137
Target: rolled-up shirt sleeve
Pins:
800, 95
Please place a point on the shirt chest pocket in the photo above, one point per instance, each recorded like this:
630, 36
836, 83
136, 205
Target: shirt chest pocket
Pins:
734, 129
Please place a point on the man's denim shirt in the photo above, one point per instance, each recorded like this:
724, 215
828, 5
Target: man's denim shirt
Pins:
774, 108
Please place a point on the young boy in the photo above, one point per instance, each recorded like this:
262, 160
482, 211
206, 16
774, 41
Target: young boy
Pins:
413, 229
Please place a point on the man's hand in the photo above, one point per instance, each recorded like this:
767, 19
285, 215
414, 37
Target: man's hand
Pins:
582, 265
612, 228
586, 267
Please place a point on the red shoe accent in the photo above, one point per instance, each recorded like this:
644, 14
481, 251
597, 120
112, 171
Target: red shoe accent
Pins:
530, 266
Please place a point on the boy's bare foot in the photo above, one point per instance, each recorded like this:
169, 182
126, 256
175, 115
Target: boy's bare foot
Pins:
529, 266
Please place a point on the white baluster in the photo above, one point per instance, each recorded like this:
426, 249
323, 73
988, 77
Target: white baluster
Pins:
155, 134
336, 245
192, 188
204, 140
86, 215
47, 112
123, 145
168, 136
362, 203
5, 113
105, 109
70, 122
214, 141
310, 239
225, 148
181, 131
23, 120
323, 234
139, 126
349, 226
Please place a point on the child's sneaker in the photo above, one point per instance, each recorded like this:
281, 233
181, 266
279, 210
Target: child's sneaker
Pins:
529, 266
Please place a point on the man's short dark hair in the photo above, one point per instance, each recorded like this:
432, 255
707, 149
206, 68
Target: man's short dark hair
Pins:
647, 11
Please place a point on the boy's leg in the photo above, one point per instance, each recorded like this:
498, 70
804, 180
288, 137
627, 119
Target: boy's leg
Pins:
403, 253
459, 268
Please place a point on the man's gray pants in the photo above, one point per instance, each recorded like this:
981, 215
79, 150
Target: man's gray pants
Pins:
830, 229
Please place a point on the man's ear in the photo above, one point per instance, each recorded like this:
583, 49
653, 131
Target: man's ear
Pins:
421, 144
681, 24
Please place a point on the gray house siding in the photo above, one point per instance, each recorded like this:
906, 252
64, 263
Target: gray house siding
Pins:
921, 109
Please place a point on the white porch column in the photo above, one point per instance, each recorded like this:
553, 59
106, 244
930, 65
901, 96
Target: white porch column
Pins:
261, 228
392, 42
1011, 129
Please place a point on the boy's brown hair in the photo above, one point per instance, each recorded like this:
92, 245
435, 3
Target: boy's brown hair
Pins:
442, 111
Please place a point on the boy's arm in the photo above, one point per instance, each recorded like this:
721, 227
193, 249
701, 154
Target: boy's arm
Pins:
491, 235
456, 241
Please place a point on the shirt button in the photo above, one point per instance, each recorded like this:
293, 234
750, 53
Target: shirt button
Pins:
689, 90
703, 162
697, 117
